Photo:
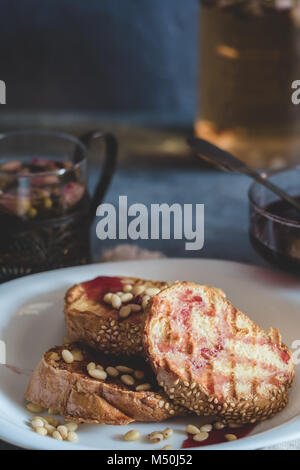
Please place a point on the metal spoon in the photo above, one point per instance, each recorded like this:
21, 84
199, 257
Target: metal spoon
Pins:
228, 162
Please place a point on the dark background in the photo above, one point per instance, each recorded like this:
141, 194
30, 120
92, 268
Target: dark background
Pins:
128, 59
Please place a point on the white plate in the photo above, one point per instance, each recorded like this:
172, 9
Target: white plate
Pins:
31, 320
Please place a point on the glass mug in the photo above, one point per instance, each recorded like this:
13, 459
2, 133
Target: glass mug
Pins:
46, 210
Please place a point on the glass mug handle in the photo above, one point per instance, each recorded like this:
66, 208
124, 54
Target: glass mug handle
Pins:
109, 165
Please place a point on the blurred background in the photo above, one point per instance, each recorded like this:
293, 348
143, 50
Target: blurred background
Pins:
73, 65
153, 72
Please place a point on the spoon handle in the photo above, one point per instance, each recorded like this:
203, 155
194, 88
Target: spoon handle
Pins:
227, 161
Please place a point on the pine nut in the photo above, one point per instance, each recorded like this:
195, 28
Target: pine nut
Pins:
97, 374
139, 374
206, 428
219, 426
67, 356
127, 288
125, 369
135, 307
54, 422
112, 371
37, 423
143, 387
126, 297
34, 408
116, 301
50, 428
71, 427
168, 447
98, 366
234, 425
191, 429
72, 436
54, 357
119, 293
132, 435
91, 366
127, 379
230, 437
145, 301
78, 356
201, 436
152, 291
41, 431
124, 312
42, 419
63, 431
156, 437
128, 280
167, 433
138, 290
56, 435
107, 298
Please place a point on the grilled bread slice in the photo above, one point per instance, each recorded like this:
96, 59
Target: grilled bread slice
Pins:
212, 358
74, 391
108, 313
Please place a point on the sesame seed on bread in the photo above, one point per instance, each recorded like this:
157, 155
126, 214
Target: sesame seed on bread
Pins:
98, 324
211, 358
75, 394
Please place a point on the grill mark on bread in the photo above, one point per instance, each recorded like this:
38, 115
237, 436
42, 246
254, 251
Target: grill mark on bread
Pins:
254, 383
218, 380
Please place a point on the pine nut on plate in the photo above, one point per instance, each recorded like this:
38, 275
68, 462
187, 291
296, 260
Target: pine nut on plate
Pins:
34, 408
201, 436
206, 428
191, 429
156, 437
230, 437
167, 433
72, 436
41, 431
71, 426
132, 435
37, 423
56, 435
63, 430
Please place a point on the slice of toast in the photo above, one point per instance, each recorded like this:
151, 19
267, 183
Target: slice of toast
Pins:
92, 319
75, 394
212, 358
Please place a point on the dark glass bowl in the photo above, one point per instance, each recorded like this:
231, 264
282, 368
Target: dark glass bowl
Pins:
275, 227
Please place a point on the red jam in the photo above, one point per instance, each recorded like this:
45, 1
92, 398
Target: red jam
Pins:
218, 437
98, 287
283, 354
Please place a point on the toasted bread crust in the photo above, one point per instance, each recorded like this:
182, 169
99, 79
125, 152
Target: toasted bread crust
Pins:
211, 358
99, 325
69, 389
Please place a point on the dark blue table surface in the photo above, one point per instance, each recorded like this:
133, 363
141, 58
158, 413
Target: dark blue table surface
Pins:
183, 181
